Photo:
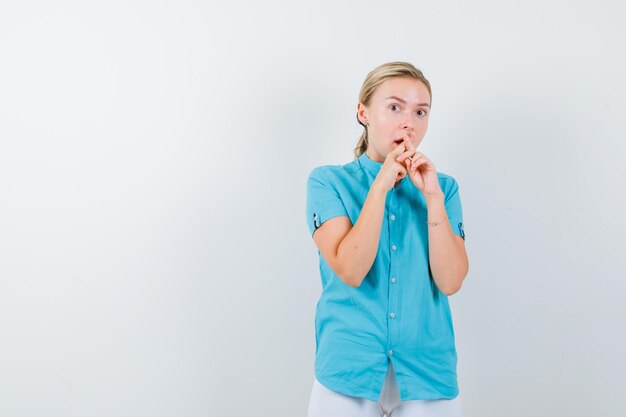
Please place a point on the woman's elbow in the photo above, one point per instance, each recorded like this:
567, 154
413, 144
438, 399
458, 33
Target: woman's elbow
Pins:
351, 280
350, 277
351, 270
451, 291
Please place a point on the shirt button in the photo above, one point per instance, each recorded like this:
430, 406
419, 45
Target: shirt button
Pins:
393, 280
392, 217
392, 315
393, 247
390, 352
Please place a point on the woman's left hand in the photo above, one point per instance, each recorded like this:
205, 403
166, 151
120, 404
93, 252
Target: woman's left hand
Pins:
421, 170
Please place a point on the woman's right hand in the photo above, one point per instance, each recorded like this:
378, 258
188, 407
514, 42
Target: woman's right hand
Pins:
391, 170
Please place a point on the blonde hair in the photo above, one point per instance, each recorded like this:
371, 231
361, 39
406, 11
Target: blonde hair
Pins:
375, 78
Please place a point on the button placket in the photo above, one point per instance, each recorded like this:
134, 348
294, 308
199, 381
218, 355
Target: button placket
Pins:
394, 234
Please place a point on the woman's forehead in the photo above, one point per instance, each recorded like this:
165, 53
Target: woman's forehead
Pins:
403, 89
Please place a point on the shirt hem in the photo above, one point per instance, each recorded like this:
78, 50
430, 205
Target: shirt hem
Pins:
354, 390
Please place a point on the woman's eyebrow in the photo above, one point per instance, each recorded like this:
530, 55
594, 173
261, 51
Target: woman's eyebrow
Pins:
399, 99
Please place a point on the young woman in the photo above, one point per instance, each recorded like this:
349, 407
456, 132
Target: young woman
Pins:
389, 230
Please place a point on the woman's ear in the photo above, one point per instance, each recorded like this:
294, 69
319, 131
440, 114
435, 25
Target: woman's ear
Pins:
361, 112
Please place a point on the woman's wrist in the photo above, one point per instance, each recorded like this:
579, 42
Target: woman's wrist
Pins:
378, 187
434, 198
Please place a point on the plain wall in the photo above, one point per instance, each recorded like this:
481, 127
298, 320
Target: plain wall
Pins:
154, 254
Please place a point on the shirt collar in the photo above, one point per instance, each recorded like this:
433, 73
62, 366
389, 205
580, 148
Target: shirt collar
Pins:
373, 167
368, 164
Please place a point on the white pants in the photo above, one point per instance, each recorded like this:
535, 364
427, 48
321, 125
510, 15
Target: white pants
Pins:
327, 403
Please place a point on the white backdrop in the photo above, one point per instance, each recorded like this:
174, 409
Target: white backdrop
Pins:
154, 255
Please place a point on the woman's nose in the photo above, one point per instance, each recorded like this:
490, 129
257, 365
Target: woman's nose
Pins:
407, 121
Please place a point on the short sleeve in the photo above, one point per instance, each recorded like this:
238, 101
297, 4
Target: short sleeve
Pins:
322, 200
454, 208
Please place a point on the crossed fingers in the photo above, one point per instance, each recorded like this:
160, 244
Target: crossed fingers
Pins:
411, 158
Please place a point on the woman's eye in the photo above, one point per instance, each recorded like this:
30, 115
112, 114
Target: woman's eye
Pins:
394, 105
422, 112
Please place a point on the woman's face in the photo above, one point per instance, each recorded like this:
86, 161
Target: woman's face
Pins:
399, 108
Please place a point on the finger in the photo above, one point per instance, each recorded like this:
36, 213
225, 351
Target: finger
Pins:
408, 143
425, 160
418, 162
404, 155
420, 155
415, 162
398, 149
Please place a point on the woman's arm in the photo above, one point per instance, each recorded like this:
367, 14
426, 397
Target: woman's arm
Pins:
351, 250
446, 250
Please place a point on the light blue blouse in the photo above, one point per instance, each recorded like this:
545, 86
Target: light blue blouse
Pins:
397, 313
